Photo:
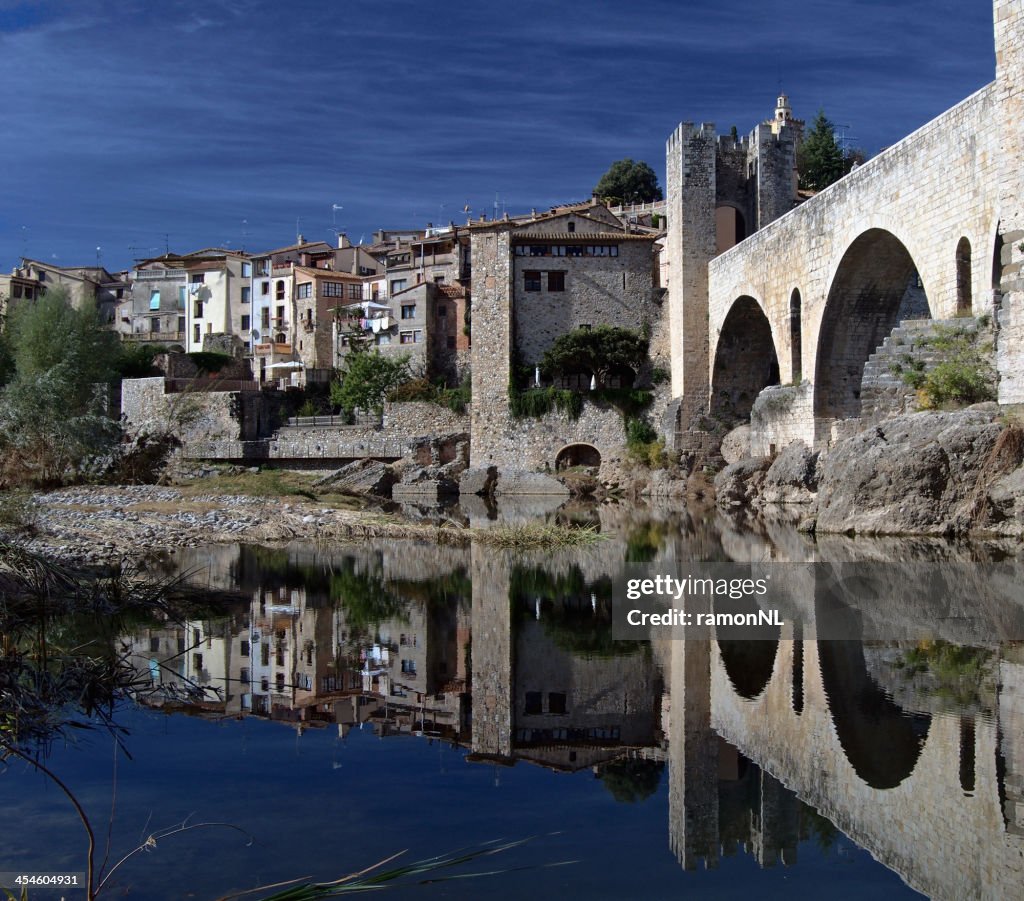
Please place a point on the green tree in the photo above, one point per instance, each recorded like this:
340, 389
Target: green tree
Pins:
51, 411
820, 161
598, 351
366, 380
629, 182
630, 781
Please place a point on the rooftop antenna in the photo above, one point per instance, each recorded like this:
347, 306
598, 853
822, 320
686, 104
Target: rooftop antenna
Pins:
245, 233
844, 138
334, 213
167, 243
99, 257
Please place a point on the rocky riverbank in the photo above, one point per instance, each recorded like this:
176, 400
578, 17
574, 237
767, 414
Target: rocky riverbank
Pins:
929, 473
104, 524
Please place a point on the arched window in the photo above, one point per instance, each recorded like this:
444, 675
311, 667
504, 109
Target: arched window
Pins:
795, 336
964, 302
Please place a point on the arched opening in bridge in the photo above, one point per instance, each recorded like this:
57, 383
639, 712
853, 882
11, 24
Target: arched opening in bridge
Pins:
964, 300
745, 360
730, 228
749, 664
795, 336
997, 262
577, 455
874, 289
879, 738
967, 761
798, 669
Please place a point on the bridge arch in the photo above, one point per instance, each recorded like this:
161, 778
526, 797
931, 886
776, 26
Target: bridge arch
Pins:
964, 293
578, 454
745, 359
875, 286
796, 336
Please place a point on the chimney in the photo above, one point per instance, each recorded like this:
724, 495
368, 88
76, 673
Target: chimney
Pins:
300, 239
343, 241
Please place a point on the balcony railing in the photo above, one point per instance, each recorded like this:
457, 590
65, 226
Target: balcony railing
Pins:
142, 274
169, 337
272, 348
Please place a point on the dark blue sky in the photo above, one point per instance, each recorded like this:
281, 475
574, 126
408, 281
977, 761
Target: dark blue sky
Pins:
221, 123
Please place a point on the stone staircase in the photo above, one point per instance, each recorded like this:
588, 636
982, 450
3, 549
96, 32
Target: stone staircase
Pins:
910, 347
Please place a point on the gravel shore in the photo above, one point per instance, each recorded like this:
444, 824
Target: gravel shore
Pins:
105, 524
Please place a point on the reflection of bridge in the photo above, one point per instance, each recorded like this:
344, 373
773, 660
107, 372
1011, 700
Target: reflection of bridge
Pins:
933, 798
814, 291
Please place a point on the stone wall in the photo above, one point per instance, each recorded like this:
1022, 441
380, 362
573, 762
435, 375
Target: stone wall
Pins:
781, 414
191, 416
616, 291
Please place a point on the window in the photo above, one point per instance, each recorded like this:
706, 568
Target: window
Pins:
243, 676
197, 278
279, 290
280, 682
264, 684
154, 300
154, 324
246, 323
556, 281
41, 275
398, 284
265, 318
333, 289
305, 291
244, 648
264, 288
556, 702
280, 314
181, 324
17, 290
572, 226
197, 334
154, 645
442, 312
408, 311
197, 662
413, 337
355, 292
531, 281
383, 339
120, 293
438, 279
182, 296
197, 310
451, 342
409, 667
246, 270
246, 294
265, 654
309, 315
533, 702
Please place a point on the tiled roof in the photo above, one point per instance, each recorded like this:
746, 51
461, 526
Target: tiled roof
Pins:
580, 237
304, 246
452, 291
329, 273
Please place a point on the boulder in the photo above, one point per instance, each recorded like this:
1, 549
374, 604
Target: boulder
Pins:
736, 445
478, 481
792, 478
738, 484
517, 481
914, 474
360, 477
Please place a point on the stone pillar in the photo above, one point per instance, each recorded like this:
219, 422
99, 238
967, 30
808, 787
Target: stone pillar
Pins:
690, 207
492, 649
693, 757
1009, 39
491, 353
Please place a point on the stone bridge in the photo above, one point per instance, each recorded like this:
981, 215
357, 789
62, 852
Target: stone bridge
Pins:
931, 227
931, 795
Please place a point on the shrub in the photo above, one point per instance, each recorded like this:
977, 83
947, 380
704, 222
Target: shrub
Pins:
538, 402
209, 361
960, 381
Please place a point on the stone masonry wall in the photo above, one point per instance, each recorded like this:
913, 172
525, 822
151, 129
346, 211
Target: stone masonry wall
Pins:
613, 291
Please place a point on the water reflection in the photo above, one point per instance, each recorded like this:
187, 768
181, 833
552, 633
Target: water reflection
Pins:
914, 751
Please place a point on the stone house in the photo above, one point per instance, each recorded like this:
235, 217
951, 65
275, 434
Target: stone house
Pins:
153, 311
219, 301
536, 278
82, 283
320, 296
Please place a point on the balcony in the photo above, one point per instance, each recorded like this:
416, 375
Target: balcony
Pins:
143, 274
157, 337
282, 269
262, 350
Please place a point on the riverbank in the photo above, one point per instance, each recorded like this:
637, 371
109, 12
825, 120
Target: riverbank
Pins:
100, 524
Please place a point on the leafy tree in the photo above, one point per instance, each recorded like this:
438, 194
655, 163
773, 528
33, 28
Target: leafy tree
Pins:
366, 380
820, 160
629, 182
51, 411
630, 781
598, 351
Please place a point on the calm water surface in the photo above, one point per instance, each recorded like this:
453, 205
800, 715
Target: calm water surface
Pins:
358, 701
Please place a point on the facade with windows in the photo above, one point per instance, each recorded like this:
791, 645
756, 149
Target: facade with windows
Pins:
216, 302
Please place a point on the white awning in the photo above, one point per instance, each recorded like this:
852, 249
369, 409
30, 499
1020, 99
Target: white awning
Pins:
291, 364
